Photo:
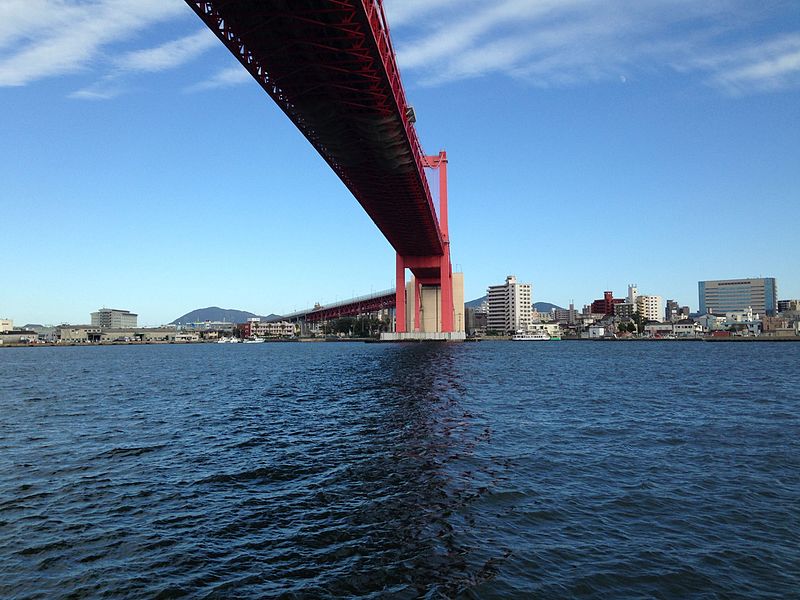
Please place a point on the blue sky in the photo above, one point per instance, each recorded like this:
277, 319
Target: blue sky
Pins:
591, 144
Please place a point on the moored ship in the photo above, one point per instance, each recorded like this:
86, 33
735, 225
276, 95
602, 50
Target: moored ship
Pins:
530, 336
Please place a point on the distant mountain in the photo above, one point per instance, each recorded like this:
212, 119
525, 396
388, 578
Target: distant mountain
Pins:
215, 313
544, 307
475, 303
540, 306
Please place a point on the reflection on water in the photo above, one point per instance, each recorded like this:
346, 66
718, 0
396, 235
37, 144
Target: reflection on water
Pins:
353, 470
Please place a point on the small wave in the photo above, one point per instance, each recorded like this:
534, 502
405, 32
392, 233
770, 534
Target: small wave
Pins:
124, 452
262, 474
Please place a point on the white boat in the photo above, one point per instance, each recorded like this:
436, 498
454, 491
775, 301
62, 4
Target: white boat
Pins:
228, 340
531, 336
254, 341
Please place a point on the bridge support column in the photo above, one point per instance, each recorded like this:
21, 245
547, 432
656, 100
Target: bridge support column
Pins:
400, 296
446, 277
445, 268
417, 304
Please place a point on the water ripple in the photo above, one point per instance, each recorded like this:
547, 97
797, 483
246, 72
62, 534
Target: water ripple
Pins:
488, 470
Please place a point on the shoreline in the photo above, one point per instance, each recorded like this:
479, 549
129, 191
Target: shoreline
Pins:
717, 340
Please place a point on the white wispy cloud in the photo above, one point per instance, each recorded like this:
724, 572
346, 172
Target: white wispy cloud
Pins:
168, 55
767, 66
570, 42
228, 77
45, 38
106, 88
96, 93
400, 12
453, 37
543, 42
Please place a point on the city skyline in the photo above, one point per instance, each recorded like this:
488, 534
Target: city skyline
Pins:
588, 148
578, 306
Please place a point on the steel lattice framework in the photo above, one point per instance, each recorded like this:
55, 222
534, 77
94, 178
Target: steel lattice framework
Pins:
352, 309
330, 66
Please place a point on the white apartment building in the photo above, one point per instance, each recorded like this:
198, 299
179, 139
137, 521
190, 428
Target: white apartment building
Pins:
509, 306
113, 318
6, 325
651, 308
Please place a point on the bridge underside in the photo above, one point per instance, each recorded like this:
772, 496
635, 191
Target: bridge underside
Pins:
352, 309
330, 66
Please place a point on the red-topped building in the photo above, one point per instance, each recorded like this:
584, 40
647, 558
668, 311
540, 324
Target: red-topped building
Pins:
605, 305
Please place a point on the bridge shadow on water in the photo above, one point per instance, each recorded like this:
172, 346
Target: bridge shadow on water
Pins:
420, 483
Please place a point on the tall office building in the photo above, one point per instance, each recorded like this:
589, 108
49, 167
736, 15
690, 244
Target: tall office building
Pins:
724, 296
509, 306
112, 318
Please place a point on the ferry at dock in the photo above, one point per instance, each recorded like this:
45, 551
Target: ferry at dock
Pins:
531, 336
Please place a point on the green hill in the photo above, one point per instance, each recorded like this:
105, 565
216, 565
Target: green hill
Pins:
215, 313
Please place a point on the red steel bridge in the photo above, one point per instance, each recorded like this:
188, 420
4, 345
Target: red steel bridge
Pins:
330, 66
369, 303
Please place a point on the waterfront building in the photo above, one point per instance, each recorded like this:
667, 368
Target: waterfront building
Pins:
114, 318
469, 320
624, 310
509, 306
45, 333
187, 337
711, 322
687, 328
6, 325
18, 336
475, 320
551, 329
658, 329
744, 320
735, 295
778, 326
88, 334
650, 307
258, 328
78, 334
596, 332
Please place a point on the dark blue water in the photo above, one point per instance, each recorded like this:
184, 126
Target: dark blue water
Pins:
491, 470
